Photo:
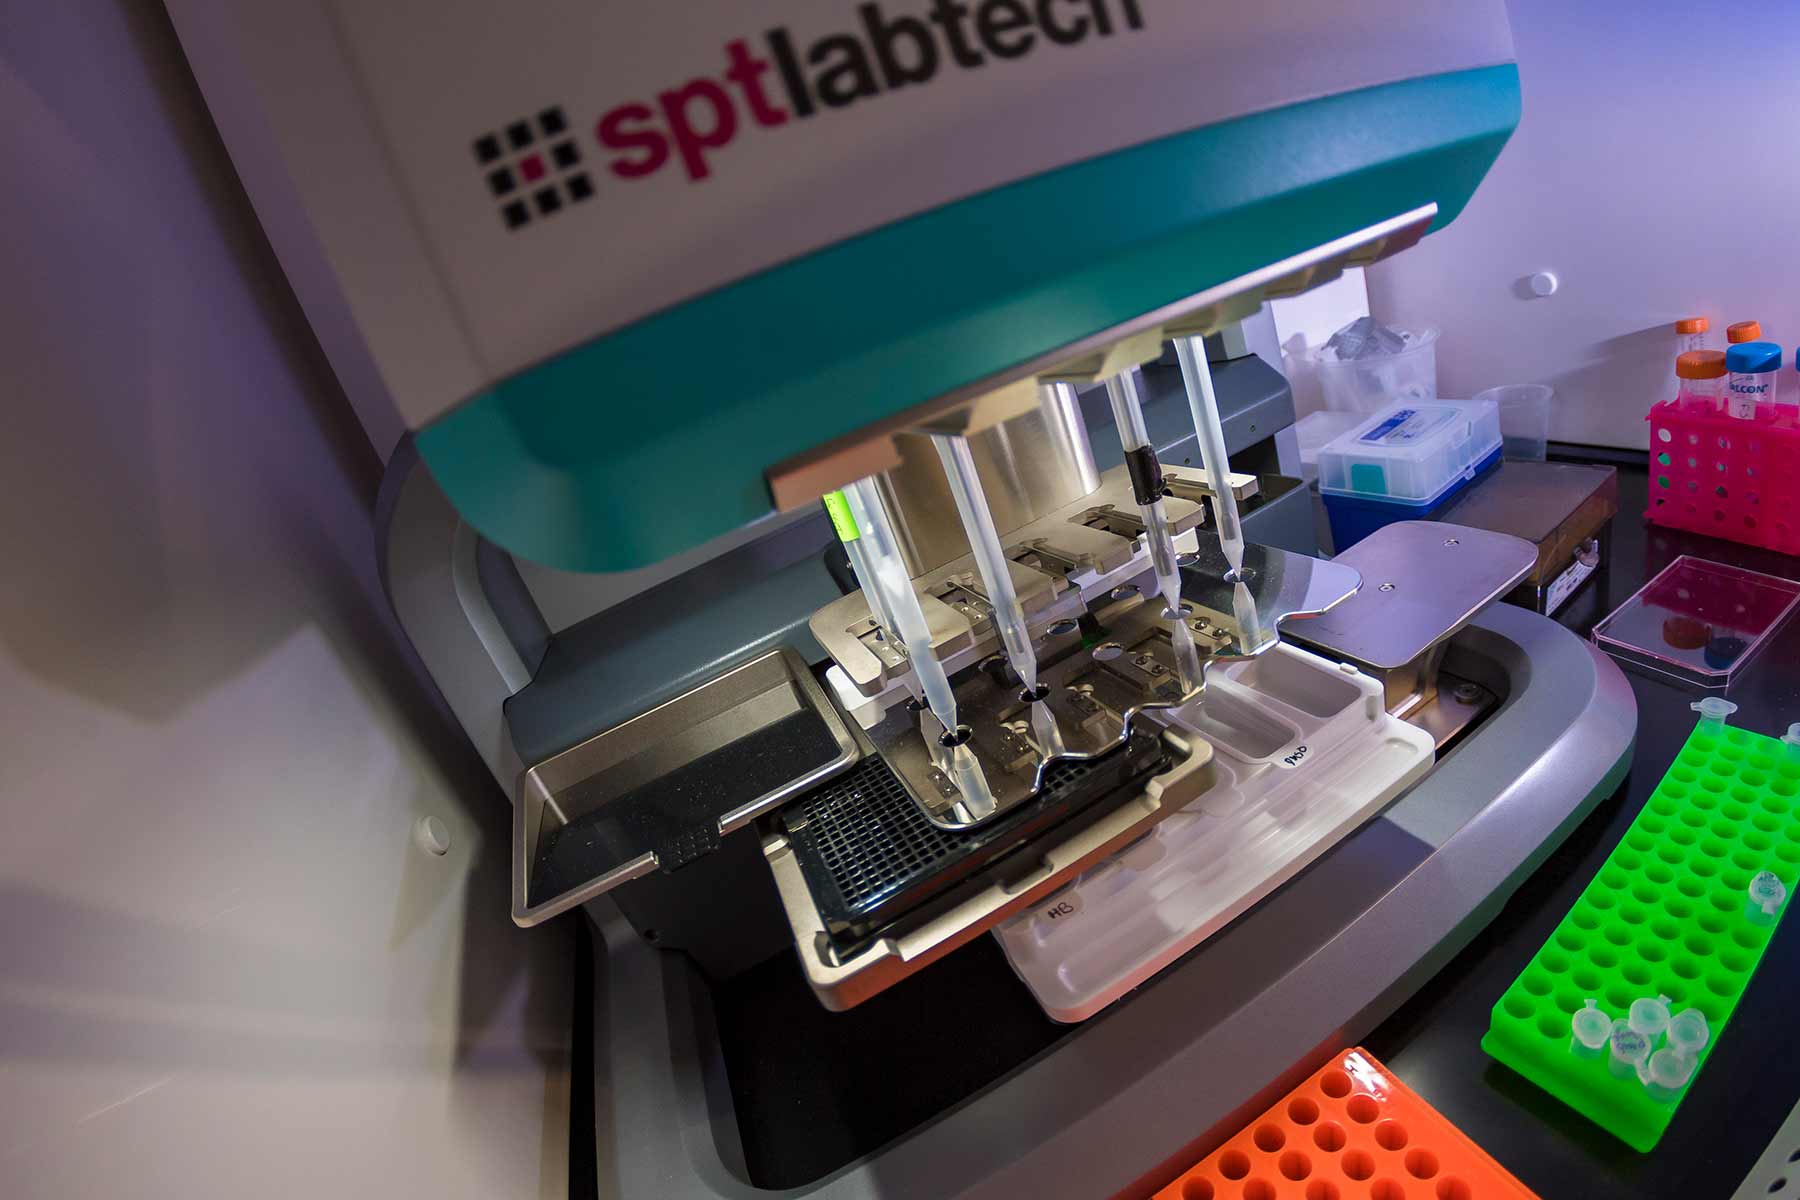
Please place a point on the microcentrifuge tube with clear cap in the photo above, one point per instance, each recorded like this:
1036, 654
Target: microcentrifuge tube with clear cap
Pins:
1649, 1016
1629, 1049
1713, 711
1688, 1031
1764, 898
1791, 739
1590, 1027
1665, 1073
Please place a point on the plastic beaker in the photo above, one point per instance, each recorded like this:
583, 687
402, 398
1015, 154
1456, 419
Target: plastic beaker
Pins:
1524, 419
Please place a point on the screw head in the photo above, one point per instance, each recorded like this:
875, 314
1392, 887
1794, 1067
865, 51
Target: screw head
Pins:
1387, 587
1466, 693
1452, 542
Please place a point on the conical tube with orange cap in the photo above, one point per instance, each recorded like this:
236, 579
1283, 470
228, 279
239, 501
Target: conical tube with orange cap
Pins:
1690, 334
1700, 381
1743, 331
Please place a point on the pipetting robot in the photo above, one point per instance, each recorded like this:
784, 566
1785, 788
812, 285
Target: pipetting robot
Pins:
846, 512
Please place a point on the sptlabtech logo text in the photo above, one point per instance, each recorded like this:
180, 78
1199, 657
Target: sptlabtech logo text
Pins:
776, 83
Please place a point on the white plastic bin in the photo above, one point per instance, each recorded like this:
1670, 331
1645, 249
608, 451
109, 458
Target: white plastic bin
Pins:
1369, 384
1268, 813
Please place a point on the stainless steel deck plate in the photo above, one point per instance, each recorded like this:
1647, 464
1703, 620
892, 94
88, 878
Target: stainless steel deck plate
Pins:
1422, 581
664, 787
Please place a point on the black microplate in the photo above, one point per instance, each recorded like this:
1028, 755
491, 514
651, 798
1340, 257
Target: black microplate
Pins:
870, 856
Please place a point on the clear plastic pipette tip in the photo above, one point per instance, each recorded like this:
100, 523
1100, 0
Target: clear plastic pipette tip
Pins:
1203, 402
902, 603
990, 556
1187, 655
1128, 415
965, 773
1046, 731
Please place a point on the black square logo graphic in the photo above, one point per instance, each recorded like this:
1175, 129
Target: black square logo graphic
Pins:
532, 167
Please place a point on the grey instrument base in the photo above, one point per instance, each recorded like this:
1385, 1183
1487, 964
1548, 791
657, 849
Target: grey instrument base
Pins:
1311, 970
1777, 1169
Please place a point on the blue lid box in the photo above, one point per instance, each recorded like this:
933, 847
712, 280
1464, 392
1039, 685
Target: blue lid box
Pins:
1405, 463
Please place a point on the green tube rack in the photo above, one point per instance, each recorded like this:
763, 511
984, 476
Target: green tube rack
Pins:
1664, 915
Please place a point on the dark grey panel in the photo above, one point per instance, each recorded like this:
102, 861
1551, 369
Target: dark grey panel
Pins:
427, 558
1284, 517
512, 604
656, 645
1254, 403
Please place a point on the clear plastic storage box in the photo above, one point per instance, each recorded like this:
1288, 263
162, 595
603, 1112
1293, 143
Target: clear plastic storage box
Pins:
1405, 462
1411, 451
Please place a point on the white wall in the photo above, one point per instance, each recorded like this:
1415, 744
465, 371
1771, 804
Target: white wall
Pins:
224, 968
1657, 172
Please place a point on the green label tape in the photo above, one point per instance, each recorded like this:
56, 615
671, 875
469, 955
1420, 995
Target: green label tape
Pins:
842, 519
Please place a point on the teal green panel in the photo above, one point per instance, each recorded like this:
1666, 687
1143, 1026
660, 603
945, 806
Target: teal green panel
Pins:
656, 437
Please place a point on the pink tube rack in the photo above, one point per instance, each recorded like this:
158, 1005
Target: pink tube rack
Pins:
1714, 474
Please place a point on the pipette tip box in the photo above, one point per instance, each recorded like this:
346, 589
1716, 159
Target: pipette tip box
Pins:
1405, 463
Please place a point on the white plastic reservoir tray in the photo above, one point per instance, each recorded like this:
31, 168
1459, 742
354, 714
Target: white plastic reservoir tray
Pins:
1306, 754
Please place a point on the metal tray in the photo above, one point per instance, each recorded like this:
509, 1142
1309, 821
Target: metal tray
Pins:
844, 974
660, 790
870, 856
